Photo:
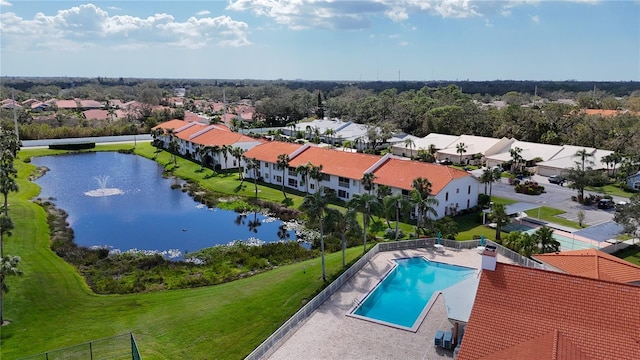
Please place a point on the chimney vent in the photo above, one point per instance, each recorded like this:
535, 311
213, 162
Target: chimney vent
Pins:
489, 258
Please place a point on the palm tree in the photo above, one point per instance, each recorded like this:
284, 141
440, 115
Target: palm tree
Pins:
225, 150
315, 172
8, 267
304, 171
499, 216
410, 144
200, 151
367, 204
367, 181
486, 178
516, 158
253, 165
156, 134
424, 204
347, 144
461, 148
216, 150
283, 163
395, 204
528, 245
328, 134
344, 223
497, 175
238, 152
546, 241
315, 205
173, 145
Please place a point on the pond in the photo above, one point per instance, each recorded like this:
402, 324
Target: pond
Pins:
123, 203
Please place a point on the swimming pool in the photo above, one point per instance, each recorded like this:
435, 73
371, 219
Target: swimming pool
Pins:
400, 299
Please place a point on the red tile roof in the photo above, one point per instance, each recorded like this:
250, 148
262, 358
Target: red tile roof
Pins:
96, 114
185, 134
174, 124
269, 151
221, 137
66, 104
401, 173
335, 162
594, 264
90, 104
525, 313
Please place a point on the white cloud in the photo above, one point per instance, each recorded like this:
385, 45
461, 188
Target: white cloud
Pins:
535, 18
488, 23
403, 43
88, 25
203, 12
114, 8
5, 3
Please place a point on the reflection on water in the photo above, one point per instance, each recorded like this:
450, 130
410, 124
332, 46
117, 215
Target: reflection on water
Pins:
147, 215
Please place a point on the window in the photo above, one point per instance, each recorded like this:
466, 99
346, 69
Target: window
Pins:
636, 185
343, 194
266, 176
274, 166
468, 203
343, 182
278, 178
326, 177
293, 182
312, 186
446, 196
469, 190
458, 191
292, 172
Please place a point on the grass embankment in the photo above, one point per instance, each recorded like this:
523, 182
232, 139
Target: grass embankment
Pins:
51, 307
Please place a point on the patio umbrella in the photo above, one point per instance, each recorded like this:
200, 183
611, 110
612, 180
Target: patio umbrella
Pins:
482, 240
439, 234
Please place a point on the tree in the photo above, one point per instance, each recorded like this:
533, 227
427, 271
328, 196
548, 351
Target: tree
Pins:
283, 163
9, 147
8, 267
516, 158
303, 170
395, 205
367, 181
499, 216
344, 223
315, 172
315, 205
367, 204
423, 201
486, 178
238, 152
200, 152
461, 148
546, 241
410, 144
226, 151
628, 215
581, 175
253, 165
173, 145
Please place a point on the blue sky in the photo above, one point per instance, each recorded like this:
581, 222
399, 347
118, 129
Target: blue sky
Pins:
323, 39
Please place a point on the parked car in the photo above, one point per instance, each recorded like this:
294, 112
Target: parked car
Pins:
557, 179
605, 204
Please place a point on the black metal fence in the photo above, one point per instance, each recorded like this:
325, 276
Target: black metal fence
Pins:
119, 347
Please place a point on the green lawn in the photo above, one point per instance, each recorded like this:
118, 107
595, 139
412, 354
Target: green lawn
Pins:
550, 215
631, 254
609, 190
51, 307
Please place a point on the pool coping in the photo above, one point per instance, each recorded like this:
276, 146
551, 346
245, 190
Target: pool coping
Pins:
425, 310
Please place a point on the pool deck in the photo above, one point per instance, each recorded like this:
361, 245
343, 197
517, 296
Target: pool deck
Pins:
329, 334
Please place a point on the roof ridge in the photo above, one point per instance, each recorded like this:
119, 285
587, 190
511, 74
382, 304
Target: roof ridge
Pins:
566, 274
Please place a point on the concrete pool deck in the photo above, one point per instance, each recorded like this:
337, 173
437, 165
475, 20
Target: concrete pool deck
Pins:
328, 333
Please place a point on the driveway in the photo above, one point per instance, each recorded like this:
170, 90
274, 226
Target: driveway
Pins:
558, 197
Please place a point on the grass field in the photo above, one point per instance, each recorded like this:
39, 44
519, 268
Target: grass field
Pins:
51, 307
631, 254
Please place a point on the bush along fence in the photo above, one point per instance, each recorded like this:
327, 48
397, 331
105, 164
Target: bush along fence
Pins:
119, 347
285, 330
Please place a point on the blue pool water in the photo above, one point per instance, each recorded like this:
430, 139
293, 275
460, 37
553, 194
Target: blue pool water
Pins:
402, 295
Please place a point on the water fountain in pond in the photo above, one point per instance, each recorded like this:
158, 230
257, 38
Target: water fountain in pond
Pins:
103, 190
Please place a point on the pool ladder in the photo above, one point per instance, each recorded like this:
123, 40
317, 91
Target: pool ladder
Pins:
357, 302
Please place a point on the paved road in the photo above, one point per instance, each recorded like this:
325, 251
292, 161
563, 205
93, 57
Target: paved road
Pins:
558, 197
97, 140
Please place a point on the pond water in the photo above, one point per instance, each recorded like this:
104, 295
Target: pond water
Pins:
122, 202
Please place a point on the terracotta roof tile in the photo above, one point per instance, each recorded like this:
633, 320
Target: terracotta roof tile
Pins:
174, 124
221, 137
400, 173
269, 151
514, 305
335, 162
594, 264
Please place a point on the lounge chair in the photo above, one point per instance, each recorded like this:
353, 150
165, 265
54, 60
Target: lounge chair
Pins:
437, 340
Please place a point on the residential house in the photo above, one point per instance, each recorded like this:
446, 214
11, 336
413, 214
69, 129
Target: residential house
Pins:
455, 190
103, 115
525, 313
529, 152
438, 141
316, 127
10, 104
90, 105
66, 104
477, 148
567, 159
633, 181
342, 172
593, 264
